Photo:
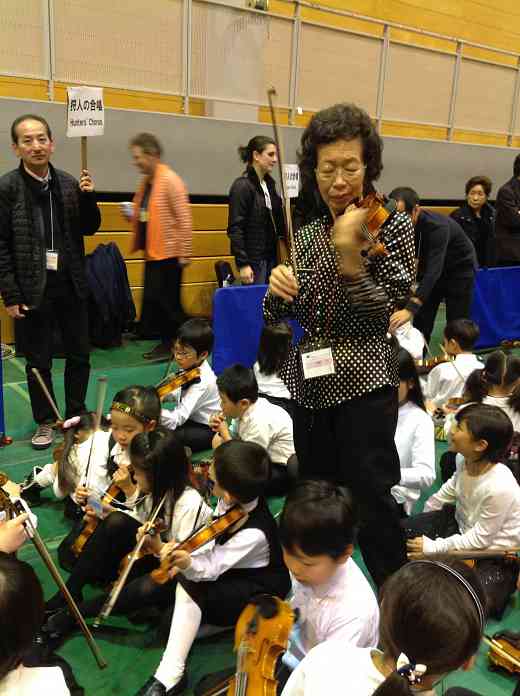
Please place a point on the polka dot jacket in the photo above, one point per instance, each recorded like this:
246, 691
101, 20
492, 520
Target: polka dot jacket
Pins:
350, 315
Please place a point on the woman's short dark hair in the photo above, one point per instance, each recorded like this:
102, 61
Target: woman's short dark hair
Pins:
407, 373
274, 347
21, 610
161, 454
238, 382
483, 181
318, 518
28, 117
341, 121
243, 469
430, 615
490, 423
257, 144
197, 334
148, 143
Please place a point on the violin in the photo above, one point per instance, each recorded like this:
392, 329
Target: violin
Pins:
232, 517
424, 366
90, 526
180, 379
378, 213
504, 650
261, 636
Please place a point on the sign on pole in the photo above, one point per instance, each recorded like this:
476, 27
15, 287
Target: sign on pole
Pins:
85, 115
292, 180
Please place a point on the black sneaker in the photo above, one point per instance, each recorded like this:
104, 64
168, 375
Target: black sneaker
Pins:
29, 488
161, 353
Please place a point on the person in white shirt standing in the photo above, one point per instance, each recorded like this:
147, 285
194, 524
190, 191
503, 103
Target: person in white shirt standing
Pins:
257, 420
331, 596
197, 400
447, 380
414, 437
479, 506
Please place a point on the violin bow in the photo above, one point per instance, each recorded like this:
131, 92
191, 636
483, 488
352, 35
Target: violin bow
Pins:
17, 509
100, 401
495, 645
283, 184
484, 553
116, 591
47, 393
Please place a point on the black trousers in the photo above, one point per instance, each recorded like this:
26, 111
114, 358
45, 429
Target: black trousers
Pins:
36, 333
196, 436
352, 444
162, 312
458, 296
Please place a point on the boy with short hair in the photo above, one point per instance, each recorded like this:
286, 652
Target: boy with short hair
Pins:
215, 584
331, 594
256, 420
447, 380
199, 399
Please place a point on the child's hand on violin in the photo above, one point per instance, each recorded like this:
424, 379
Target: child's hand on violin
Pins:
415, 545
178, 559
216, 421
123, 479
81, 494
89, 515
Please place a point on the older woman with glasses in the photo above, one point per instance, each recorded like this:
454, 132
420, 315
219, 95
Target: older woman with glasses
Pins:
343, 374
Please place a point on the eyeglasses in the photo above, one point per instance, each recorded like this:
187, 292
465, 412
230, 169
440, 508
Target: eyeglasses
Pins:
328, 173
183, 353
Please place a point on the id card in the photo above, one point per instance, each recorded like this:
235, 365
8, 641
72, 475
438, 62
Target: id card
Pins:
94, 501
51, 258
318, 363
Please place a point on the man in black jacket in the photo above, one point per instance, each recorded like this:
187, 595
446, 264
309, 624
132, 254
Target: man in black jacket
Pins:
44, 214
507, 225
446, 267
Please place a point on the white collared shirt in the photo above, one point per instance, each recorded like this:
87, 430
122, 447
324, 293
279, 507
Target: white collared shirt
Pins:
269, 426
27, 681
415, 442
198, 402
98, 478
447, 380
270, 384
189, 514
343, 609
247, 548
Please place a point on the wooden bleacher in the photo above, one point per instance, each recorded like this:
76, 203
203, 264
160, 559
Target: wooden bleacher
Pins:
210, 243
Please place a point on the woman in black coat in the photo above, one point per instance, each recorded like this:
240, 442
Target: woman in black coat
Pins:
256, 218
477, 219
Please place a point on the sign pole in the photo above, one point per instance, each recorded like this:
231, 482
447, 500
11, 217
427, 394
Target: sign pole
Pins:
84, 161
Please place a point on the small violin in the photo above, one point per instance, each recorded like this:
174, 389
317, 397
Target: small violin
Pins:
219, 526
504, 650
378, 213
180, 379
91, 525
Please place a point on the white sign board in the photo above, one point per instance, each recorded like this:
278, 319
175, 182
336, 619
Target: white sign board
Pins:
292, 180
85, 111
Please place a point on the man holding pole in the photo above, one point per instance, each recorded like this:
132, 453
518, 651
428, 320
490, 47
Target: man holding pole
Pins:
44, 213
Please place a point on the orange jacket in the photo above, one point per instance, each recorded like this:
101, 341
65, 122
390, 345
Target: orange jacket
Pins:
169, 229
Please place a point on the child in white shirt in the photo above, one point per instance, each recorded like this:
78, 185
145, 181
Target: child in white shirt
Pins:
414, 437
432, 621
332, 597
273, 350
257, 420
446, 380
198, 400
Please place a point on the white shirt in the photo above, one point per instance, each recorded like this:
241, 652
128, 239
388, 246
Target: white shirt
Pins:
28, 681
411, 339
270, 384
447, 379
269, 426
189, 514
267, 195
198, 402
335, 669
502, 403
487, 510
343, 609
415, 442
247, 548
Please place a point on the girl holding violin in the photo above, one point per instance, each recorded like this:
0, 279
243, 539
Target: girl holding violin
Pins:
161, 470
198, 399
347, 279
215, 585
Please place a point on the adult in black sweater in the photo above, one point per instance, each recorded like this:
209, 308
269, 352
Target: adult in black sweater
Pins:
44, 213
256, 218
446, 267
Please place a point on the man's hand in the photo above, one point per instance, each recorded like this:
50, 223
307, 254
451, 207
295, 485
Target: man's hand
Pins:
398, 319
86, 183
16, 311
246, 275
12, 534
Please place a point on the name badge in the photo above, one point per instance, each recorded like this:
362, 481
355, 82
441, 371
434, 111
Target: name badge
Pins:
51, 260
318, 363
143, 215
